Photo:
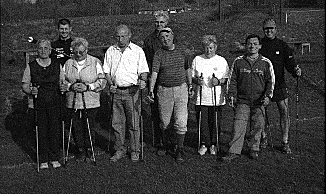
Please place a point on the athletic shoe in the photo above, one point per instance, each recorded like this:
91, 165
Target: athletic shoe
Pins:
202, 150
55, 164
180, 155
135, 156
286, 148
229, 157
44, 165
213, 150
264, 142
253, 155
118, 155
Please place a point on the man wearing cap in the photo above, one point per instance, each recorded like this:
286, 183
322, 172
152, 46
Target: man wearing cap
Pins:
151, 44
281, 57
173, 77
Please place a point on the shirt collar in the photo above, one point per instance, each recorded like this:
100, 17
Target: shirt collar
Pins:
130, 46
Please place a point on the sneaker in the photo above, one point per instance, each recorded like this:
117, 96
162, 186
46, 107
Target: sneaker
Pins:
179, 155
118, 155
286, 148
55, 164
135, 156
44, 165
264, 143
253, 155
202, 150
213, 150
229, 157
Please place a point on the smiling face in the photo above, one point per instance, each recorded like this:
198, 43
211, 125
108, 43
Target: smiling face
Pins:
80, 52
210, 50
253, 45
269, 29
64, 31
44, 50
167, 39
160, 22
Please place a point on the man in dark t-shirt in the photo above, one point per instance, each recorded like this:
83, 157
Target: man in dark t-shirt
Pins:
61, 50
173, 77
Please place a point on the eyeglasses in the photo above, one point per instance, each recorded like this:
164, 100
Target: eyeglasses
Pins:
79, 52
159, 22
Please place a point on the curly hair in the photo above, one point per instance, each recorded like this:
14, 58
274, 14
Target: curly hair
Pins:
208, 39
78, 42
161, 13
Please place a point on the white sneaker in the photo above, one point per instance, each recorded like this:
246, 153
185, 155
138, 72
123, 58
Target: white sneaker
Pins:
44, 165
213, 150
202, 150
55, 164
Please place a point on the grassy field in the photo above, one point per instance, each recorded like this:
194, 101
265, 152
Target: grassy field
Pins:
274, 172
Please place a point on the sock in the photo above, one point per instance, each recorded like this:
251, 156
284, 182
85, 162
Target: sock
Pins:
180, 140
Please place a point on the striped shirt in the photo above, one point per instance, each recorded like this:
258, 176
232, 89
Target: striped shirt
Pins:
170, 66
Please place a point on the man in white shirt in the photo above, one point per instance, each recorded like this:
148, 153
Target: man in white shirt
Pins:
126, 69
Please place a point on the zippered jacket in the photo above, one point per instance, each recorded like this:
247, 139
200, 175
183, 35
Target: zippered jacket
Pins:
251, 81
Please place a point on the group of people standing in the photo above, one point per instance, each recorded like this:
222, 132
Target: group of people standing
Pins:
64, 73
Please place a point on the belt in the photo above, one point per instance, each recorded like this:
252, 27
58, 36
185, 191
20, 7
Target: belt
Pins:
126, 87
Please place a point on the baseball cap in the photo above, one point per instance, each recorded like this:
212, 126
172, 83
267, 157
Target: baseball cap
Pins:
166, 29
269, 23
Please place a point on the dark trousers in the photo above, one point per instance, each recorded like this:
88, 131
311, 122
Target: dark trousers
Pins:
80, 128
208, 131
48, 122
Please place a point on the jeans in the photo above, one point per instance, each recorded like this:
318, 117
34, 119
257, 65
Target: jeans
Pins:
173, 101
126, 112
243, 113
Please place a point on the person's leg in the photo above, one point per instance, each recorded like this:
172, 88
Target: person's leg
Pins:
132, 111
241, 117
180, 118
204, 129
118, 120
165, 106
214, 119
283, 107
42, 123
54, 134
257, 125
156, 121
91, 115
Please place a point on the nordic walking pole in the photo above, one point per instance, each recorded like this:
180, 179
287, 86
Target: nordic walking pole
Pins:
199, 120
63, 128
110, 121
297, 112
36, 133
215, 110
70, 127
141, 125
89, 130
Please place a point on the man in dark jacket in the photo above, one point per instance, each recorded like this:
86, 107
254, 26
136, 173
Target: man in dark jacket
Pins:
249, 90
281, 57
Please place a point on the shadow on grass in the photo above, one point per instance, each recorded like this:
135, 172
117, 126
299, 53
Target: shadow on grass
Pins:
20, 124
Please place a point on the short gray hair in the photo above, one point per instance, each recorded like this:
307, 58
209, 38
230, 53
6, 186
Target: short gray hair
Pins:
161, 13
78, 42
208, 39
45, 41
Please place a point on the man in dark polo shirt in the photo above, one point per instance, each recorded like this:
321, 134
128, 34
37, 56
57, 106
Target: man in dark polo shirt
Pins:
173, 77
61, 50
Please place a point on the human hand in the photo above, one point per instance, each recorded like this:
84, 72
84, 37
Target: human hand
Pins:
64, 87
215, 81
34, 90
149, 98
79, 87
298, 71
232, 101
142, 84
113, 89
265, 101
191, 91
200, 81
